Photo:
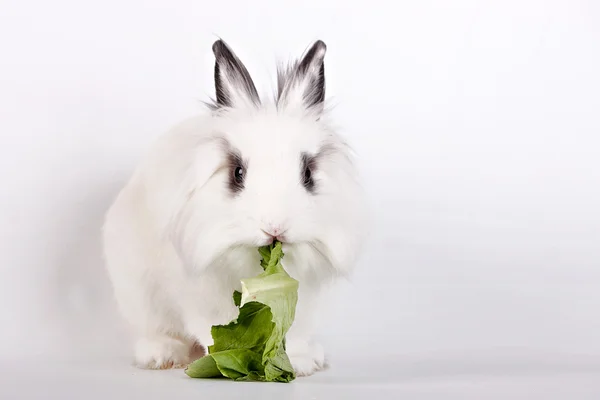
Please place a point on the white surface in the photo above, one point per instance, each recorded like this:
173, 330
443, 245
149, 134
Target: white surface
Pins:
477, 126
453, 376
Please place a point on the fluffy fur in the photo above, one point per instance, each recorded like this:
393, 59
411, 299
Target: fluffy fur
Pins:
178, 240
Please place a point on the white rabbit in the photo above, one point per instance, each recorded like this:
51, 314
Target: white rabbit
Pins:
186, 227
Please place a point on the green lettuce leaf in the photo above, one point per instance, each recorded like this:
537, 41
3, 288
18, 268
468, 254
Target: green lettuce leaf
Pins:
252, 347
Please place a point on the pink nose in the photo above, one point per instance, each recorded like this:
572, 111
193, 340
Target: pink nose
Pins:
274, 230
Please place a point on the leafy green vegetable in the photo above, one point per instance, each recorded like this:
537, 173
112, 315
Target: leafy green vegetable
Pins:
252, 347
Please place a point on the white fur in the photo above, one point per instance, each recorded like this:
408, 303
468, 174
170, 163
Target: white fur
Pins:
177, 242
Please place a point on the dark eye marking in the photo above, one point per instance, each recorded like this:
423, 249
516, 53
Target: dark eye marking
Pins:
308, 165
236, 172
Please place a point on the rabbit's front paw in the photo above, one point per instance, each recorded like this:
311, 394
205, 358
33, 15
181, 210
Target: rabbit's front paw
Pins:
306, 358
162, 352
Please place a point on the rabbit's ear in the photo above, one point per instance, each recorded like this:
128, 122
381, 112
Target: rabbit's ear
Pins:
233, 84
303, 84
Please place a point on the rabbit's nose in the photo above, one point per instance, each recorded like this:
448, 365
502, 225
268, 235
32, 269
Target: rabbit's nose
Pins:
276, 231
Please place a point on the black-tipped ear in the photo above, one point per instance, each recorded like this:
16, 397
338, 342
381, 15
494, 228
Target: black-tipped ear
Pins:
233, 85
304, 83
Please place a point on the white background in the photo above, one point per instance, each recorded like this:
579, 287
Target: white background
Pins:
476, 123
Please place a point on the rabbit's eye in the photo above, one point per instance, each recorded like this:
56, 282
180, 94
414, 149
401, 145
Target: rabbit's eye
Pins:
238, 175
307, 176
236, 181
307, 173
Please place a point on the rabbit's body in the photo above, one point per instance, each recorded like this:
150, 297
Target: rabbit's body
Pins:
185, 230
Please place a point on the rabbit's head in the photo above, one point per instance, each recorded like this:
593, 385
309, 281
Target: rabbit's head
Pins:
275, 170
